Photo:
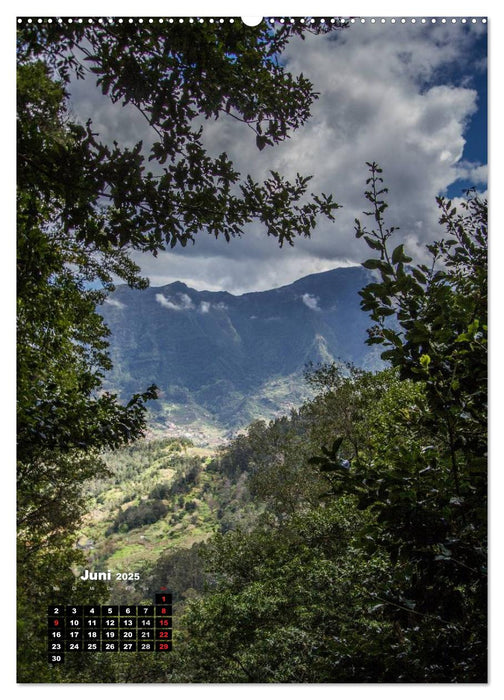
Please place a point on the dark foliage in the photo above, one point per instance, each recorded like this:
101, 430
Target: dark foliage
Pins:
145, 513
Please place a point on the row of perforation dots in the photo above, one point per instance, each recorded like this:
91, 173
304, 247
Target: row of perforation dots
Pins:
282, 20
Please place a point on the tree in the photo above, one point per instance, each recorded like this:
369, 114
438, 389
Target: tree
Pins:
175, 76
441, 340
427, 486
289, 603
441, 311
64, 420
84, 205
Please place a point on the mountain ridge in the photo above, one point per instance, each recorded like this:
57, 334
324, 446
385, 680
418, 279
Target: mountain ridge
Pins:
222, 359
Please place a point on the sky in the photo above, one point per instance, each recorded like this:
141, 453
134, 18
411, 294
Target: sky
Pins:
409, 96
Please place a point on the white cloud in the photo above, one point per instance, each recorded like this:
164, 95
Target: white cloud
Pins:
311, 301
184, 304
388, 94
205, 307
477, 174
115, 302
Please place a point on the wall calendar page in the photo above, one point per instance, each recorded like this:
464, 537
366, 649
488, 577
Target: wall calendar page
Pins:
252, 349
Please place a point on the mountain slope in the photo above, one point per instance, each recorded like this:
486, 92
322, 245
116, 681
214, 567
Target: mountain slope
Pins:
224, 360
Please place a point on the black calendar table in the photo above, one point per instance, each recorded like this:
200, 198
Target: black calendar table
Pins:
109, 628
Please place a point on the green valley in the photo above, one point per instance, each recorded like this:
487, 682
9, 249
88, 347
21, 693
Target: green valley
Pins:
161, 496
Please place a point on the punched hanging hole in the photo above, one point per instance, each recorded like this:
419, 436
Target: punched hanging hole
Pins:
251, 21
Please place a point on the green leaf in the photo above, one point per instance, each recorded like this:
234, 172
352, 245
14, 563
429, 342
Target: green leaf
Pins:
425, 361
371, 264
336, 445
261, 141
373, 243
419, 276
398, 254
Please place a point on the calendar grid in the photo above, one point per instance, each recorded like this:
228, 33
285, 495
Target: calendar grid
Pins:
109, 628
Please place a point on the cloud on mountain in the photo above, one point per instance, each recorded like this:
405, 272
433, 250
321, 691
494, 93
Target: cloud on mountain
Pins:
184, 302
205, 307
310, 301
115, 302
